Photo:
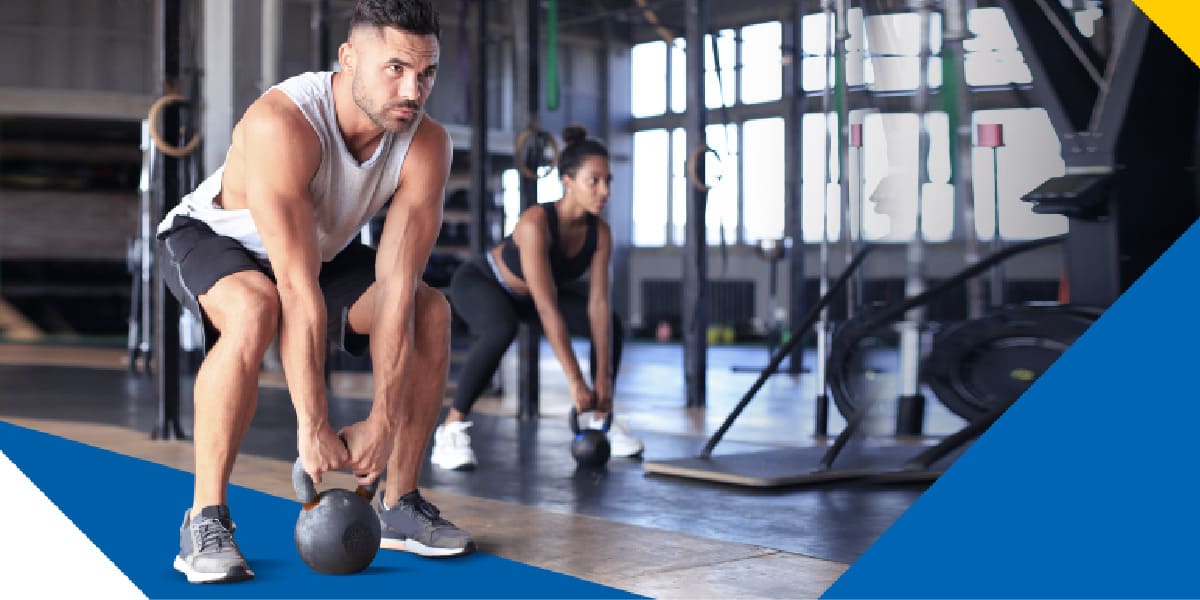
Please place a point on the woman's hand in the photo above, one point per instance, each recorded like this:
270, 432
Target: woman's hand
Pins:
582, 395
604, 395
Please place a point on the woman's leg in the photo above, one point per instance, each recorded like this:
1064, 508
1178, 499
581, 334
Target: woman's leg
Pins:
490, 314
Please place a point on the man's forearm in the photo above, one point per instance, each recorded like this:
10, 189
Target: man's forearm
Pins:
392, 344
302, 343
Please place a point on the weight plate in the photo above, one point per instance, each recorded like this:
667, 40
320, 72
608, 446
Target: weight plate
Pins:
977, 366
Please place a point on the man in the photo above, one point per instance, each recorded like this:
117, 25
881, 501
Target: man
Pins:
266, 245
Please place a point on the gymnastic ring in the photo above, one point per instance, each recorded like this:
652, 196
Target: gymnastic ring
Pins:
163, 146
523, 138
693, 158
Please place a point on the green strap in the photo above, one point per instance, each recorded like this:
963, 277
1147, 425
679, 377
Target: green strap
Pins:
552, 91
950, 104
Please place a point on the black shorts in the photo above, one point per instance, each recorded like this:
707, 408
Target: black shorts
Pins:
193, 257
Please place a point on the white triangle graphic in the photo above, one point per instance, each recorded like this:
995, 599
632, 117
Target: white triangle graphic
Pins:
43, 554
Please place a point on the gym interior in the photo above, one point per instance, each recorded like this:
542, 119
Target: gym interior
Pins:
847, 235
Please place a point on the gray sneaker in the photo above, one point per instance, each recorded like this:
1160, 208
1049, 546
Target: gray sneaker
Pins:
415, 525
207, 552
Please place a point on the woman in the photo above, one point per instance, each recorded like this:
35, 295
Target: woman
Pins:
527, 277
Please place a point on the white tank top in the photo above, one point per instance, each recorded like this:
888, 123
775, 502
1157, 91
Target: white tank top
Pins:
345, 193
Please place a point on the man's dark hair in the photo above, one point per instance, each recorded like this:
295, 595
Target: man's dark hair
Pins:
413, 16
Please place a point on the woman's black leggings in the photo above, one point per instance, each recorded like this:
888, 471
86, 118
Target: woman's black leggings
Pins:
493, 315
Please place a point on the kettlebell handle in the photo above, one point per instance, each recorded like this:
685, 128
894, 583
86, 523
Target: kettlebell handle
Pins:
573, 415
306, 491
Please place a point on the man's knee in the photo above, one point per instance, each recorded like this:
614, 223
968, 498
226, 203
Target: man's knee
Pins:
247, 310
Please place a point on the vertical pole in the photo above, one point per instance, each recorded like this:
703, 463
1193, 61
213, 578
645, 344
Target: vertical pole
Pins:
272, 44
319, 24
695, 267
998, 270
958, 111
166, 321
856, 183
823, 325
795, 193
841, 80
528, 338
910, 412
991, 135
480, 193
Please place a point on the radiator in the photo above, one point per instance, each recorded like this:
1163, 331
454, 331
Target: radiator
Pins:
730, 301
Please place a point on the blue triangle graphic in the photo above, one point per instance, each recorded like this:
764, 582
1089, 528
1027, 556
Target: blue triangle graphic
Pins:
1086, 487
131, 509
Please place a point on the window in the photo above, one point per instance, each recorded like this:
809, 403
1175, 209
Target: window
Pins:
1031, 154
762, 62
721, 90
549, 189
648, 63
992, 57
679, 75
821, 212
759, 50
763, 190
650, 187
721, 174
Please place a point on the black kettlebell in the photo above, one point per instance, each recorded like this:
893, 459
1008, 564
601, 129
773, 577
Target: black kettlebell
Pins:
590, 446
337, 532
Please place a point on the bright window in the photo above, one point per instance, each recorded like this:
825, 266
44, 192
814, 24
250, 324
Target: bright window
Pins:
762, 62
1031, 154
549, 189
763, 189
648, 64
650, 188
992, 57
722, 90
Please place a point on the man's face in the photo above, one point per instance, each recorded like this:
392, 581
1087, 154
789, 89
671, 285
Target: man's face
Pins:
393, 73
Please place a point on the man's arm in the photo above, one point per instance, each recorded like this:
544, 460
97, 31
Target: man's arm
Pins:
409, 233
281, 154
532, 240
600, 317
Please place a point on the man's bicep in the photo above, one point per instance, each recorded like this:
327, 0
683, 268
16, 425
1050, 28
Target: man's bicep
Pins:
278, 165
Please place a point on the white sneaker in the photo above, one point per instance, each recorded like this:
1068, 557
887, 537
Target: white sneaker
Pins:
452, 447
621, 441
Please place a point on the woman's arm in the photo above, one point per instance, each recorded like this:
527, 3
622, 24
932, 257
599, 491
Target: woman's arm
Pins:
600, 317
533, 241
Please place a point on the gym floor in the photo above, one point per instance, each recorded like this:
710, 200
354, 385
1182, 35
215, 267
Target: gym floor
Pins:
650, 534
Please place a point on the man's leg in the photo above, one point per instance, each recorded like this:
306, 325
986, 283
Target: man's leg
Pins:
240, 311
244, 308
410, 522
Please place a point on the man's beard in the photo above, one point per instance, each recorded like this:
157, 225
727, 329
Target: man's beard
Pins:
380, 117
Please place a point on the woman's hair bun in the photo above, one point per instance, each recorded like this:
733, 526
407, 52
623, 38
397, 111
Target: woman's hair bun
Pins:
573, 134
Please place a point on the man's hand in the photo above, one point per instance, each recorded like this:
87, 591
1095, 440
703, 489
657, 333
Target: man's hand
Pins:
370, 442
320, 450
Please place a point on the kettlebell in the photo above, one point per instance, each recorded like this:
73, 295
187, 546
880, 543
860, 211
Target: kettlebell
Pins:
337, 531
590, 446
